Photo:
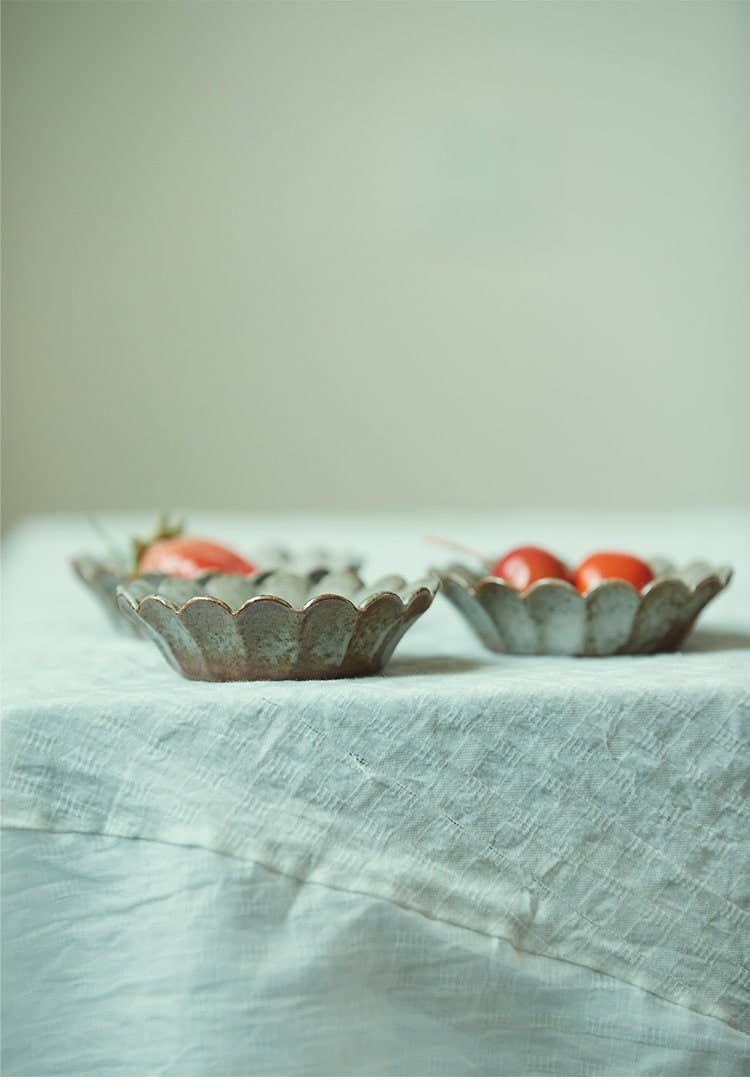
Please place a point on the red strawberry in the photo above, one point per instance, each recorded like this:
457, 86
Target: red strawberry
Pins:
169, 552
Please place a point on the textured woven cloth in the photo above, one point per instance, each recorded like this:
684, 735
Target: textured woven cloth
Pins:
473, 864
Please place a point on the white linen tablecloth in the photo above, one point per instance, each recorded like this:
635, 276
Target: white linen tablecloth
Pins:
474, 864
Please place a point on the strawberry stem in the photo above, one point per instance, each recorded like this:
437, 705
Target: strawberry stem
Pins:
164, 531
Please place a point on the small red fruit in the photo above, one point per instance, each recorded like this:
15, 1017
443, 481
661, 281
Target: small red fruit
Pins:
525, 565
169, 551
603, 565
187, 556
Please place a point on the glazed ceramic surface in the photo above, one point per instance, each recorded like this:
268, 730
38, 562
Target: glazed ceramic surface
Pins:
102, 576
276, 625
551, 617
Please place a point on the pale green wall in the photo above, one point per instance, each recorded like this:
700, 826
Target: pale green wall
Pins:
370, 255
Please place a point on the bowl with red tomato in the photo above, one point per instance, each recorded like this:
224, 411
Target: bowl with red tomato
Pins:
171, 552
530, 601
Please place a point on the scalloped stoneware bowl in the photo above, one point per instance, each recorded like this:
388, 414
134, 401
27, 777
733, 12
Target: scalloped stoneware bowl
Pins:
551, 617
102, 576
277, 625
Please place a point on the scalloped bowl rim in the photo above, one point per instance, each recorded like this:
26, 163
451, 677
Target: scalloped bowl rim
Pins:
108, 567
137, 604
722, 574
76, 561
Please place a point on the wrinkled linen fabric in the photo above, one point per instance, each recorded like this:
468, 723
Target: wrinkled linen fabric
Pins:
474, 864
159, 959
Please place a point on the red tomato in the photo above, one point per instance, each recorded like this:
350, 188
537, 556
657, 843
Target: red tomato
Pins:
186, 556
603, 565
525, 565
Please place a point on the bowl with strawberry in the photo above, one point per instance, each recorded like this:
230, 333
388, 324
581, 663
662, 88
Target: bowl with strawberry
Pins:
171, 552
530, 601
